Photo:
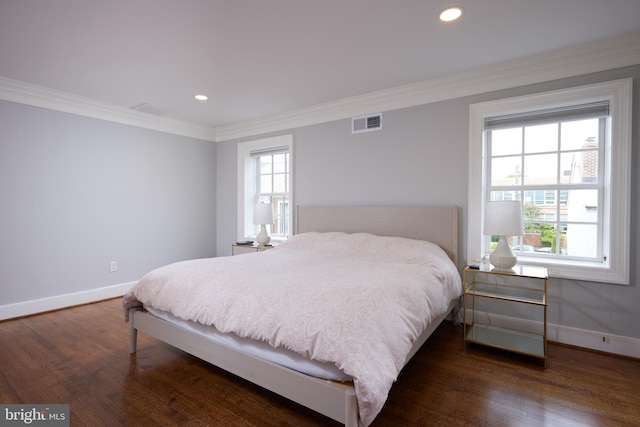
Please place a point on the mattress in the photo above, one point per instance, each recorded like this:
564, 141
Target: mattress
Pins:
258, 349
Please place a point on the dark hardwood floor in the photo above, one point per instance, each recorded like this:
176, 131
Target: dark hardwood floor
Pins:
80, 356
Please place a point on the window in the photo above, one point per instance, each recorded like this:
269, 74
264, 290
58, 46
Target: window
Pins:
549, 161
566, 156
272, 185
264, 176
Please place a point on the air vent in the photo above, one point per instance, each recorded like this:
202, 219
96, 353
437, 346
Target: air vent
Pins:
366, 123
145, 107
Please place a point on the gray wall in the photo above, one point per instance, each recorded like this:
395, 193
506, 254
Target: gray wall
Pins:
77, 193
420, 157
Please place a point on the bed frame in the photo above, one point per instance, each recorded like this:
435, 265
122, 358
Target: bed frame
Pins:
333, 399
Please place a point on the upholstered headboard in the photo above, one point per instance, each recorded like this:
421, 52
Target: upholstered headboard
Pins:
437, 224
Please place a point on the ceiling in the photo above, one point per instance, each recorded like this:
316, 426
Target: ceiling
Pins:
255, 58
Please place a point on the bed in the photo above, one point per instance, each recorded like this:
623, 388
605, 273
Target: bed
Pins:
353, 393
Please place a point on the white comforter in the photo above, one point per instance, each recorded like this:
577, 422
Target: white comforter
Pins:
356, 300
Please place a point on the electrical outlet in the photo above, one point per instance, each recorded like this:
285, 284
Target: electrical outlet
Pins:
113, 266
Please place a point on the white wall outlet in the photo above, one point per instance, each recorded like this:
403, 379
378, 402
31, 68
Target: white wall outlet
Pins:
113, 266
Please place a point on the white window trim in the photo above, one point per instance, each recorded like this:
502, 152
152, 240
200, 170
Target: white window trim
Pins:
247, 179
617, 168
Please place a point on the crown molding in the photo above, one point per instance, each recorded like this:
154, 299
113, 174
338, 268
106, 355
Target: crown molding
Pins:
588, 58
39, 96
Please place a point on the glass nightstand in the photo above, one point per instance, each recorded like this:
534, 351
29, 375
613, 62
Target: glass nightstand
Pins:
237, 249
523, 285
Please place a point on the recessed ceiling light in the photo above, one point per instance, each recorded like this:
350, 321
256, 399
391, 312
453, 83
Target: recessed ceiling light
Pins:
451, 14
201, 97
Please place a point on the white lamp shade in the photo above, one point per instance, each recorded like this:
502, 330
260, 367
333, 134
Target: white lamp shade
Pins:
503, 218
263, 213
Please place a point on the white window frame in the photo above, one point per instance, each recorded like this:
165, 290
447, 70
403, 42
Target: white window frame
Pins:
247, 182
617, 177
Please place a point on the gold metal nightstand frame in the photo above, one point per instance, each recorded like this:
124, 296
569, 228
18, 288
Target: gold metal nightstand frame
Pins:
522, 285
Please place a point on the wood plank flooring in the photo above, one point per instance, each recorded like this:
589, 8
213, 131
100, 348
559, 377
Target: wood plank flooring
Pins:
80, 356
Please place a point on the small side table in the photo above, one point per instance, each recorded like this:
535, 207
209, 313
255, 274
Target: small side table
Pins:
243, 249
523, 285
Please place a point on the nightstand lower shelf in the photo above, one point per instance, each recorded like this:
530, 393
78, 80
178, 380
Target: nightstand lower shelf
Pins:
507, 339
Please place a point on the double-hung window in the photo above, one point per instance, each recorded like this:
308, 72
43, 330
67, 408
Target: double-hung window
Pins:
565, 156
264, 176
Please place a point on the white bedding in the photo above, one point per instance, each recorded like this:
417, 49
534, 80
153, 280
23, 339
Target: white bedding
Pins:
355, 300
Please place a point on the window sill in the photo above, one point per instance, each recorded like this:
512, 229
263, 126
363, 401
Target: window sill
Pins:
578, 270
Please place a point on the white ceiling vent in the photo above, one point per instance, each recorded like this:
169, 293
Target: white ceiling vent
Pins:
145, 107
366, 123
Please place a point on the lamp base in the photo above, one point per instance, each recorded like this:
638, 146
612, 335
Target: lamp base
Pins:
502, 258
263, 237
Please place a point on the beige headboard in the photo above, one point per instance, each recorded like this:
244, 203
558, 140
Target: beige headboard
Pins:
437, 224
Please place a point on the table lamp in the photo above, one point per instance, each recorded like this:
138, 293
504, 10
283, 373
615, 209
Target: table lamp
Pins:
503, 218
262, 215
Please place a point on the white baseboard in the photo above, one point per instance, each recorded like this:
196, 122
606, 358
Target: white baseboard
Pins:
62, 301
593, 340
